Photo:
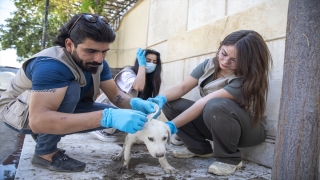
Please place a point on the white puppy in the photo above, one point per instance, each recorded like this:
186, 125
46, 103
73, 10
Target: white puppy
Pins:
155, 135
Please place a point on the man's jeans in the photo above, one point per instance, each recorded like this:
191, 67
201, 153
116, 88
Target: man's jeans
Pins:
47, 143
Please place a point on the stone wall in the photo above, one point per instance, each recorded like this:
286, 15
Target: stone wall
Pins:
186, 32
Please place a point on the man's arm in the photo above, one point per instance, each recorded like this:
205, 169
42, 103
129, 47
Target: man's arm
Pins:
44, 118
115, 95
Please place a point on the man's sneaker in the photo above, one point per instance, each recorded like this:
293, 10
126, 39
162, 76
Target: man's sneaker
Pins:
175, 140
60, 162
223, 169
185, 153
103, 136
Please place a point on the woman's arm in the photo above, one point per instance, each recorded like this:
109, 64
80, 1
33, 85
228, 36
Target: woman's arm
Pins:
140, 80
181, 89
196, 109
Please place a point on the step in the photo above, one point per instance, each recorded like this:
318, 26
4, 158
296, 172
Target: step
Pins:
261, 154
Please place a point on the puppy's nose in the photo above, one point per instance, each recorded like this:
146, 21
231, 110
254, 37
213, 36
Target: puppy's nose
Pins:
159, 155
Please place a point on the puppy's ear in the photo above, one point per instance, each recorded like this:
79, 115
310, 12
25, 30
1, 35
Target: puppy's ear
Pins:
151, 116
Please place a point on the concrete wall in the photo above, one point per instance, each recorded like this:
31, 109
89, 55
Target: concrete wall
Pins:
186, 32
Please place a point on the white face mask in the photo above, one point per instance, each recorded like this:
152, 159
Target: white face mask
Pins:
150, 67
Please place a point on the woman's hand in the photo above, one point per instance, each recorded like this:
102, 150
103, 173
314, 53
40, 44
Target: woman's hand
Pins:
144, 106
141, 56
160, 100
172, 127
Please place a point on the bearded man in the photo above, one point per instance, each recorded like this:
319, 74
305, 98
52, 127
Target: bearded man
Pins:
53, 93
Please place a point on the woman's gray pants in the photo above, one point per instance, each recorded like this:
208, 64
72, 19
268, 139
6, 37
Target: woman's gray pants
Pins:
224, 122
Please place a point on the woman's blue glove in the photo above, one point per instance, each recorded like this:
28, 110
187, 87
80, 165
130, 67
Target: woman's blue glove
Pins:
139, 104
141, 56
126, 120
172, 127
160, 100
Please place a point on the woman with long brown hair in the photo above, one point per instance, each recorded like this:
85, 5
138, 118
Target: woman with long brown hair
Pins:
233, 86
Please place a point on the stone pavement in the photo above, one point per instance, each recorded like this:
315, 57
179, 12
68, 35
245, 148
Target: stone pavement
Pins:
97, 155
10, 150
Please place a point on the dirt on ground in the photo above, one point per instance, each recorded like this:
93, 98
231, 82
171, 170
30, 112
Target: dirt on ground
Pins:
99, 165
144, 166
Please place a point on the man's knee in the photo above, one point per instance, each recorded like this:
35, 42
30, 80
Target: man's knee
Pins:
71, 98
73, 91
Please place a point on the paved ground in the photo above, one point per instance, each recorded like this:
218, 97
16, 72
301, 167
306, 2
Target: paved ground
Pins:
10, 149
97, 156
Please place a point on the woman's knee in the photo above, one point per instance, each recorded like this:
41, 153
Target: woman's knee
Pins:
167, 110
216, 104
216, 110
221, 120
173, 108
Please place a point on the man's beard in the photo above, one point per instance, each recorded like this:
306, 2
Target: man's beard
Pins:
84, 66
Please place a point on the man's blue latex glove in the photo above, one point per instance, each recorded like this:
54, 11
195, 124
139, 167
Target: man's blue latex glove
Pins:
144, 106
160, 100
172, 127
141, 56
126, 120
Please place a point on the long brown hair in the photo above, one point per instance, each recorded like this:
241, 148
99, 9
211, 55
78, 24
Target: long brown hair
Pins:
253, 63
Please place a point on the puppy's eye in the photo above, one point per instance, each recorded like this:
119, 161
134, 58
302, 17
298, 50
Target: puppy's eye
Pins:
150, 139
164, 138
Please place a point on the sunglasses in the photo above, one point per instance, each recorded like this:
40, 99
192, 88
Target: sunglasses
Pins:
89, 18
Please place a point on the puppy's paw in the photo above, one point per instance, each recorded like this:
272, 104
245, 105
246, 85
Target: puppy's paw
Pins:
170, 170
175, 140
121, 169
116, 158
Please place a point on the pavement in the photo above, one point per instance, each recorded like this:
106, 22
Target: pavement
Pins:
99, 165
10, 149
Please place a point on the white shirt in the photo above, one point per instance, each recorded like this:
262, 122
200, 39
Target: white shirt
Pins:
125, 81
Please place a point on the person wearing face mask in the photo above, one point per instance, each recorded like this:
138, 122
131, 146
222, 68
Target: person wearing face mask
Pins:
142, 80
